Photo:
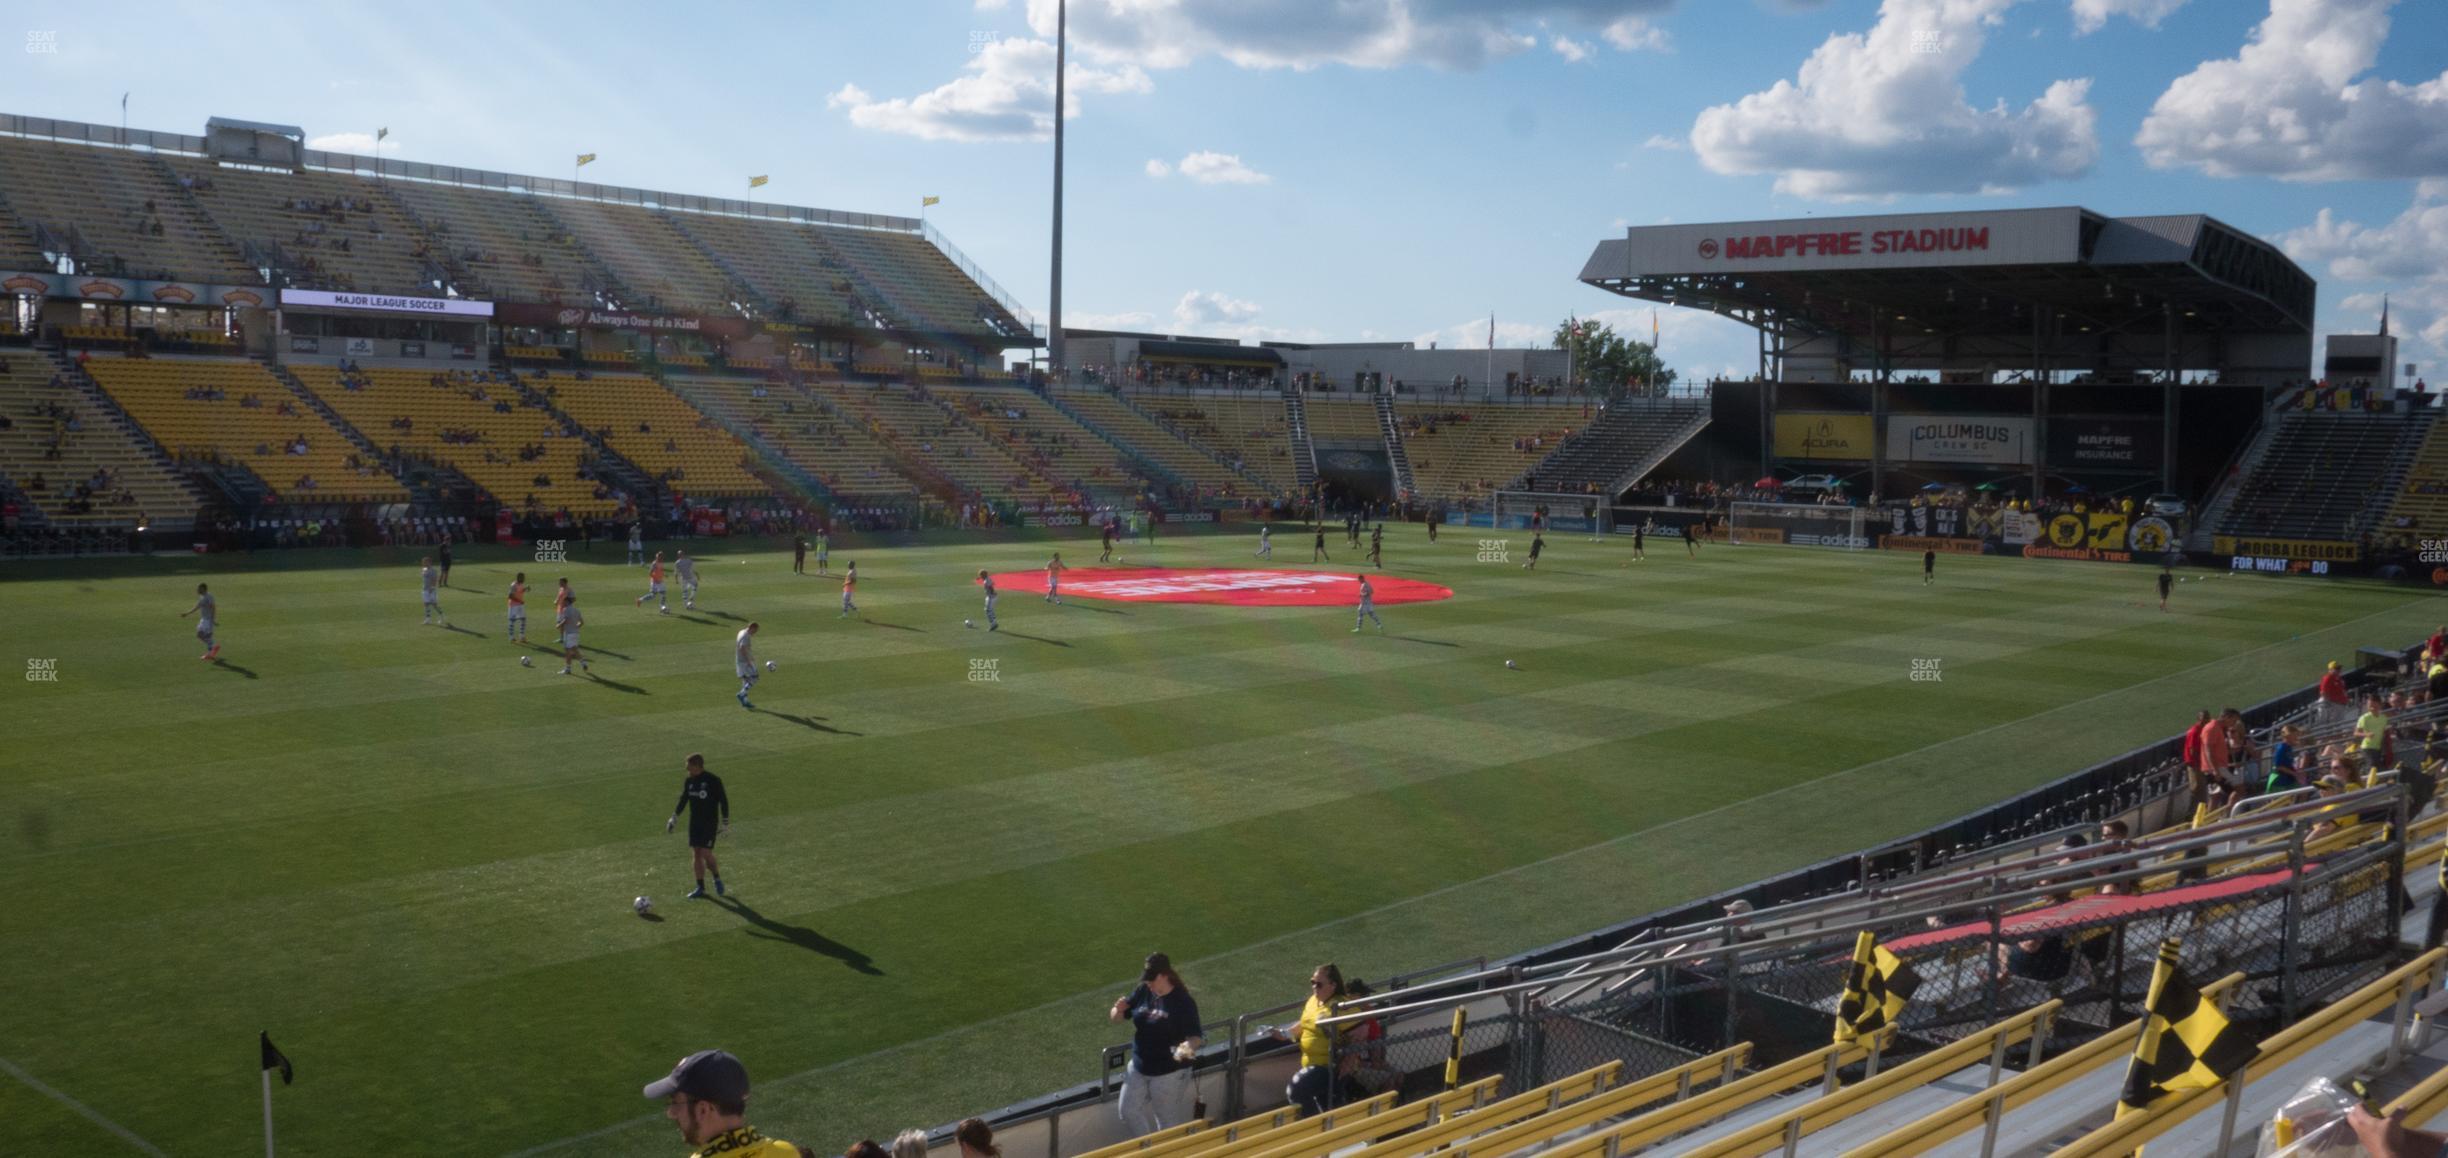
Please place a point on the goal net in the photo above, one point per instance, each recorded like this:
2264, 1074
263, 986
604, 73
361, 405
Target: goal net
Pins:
1563, 513
1800, 524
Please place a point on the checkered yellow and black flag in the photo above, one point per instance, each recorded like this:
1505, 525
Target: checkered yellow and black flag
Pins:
2187, 1044
1876, 988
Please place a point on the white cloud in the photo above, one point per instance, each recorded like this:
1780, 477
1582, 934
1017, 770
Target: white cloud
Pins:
1884, 112
989, 5
1158, 169
1005, 93
2407, 258
1634, 34
1473, 335
1206, 308
2288, 104
2092, 15
1162, 34
362, 143
1573, 51
1212, 168
1662, 141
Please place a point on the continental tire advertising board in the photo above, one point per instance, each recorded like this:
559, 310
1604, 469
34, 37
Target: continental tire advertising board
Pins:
2104, 537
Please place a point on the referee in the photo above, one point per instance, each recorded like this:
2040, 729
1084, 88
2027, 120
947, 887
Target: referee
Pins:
702, 794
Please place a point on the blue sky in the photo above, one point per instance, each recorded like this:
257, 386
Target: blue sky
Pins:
1371, 168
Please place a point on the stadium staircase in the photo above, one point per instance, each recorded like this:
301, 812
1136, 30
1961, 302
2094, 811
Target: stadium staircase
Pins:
2326, 475
1304, 452
2247, 463
1152, 468
201, 222
19, 245
1403, 483
611, 467
162, 491
609, 287
1622, 445
744, 292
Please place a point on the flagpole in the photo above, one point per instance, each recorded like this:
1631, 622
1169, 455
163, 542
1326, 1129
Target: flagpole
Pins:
267, 1096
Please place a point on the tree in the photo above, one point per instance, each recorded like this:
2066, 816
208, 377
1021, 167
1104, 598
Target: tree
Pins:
1603, 358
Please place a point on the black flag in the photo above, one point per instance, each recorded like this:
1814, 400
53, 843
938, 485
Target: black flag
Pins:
274, 1059
2187, 1044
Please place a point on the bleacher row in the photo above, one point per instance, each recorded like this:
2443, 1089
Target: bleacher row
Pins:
182, 217
2038, 1076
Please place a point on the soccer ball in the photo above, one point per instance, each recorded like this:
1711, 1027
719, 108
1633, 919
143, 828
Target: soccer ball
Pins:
769, 665
643, 905
968, 623
526, 662
1508, 663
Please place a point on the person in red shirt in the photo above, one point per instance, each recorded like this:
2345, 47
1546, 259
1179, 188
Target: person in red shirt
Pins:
2439, 641
2193, 741
2214, 759
2334, 710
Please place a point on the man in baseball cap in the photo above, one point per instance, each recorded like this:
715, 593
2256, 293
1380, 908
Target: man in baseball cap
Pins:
706, 1095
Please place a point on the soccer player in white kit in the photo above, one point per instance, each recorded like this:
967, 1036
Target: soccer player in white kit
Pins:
987, 581
568, 623
517, 632
637, 543
654, 586
1054, 569
746, 664
204, 626
1266, 542
1368, 608
433, 606
687, 568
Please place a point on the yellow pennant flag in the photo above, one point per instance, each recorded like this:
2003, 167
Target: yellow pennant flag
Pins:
586, 158
923, 202
753, 182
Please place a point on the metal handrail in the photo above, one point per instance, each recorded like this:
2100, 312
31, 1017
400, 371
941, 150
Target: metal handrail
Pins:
1998, 901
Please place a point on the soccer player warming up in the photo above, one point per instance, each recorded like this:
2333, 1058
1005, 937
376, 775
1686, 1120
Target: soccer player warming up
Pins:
1377, 547
746, 663
824, 550
517, 632
1929, 567
433, 605
204, 625
2167, 579
702, 794
1054, 569
1266, 542
1317, 549
1538, 543
687, 568
849, 590
567, 622
654, 586
987, 581
1106, 533
1368, 608
637, 543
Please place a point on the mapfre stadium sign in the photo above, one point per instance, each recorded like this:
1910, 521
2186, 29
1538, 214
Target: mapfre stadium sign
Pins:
1885, 241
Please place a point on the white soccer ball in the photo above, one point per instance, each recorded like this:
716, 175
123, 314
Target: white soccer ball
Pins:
1508, 663
968, 623
526, 662
769, 665
643, 905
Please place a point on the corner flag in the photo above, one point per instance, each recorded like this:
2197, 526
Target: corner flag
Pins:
273, 1059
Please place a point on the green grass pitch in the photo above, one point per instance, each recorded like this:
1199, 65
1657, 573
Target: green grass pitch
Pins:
411, 859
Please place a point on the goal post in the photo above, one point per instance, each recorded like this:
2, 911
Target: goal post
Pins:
1799, 524
1566, 513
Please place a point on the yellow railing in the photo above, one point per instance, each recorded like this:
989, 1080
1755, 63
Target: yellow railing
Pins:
1682, 1116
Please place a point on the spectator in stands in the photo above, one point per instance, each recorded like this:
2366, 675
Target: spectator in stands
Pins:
863, 1148
1156, 1088
2286, 757
2389, 1137
2334, 707
976, 1139
910, 1144
706, 1095
1312, 1087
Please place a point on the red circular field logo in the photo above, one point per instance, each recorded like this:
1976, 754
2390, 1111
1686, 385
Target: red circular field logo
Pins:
1217, 585
1708, 248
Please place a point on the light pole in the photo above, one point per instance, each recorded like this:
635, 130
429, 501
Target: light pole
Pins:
1054, 339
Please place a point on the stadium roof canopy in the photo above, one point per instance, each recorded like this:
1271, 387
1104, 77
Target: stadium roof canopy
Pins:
2055, 287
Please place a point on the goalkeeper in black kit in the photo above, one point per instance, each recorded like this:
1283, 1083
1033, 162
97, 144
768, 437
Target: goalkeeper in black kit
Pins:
709, 812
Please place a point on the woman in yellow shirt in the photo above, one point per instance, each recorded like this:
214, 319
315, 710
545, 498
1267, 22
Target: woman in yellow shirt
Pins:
1313, 1086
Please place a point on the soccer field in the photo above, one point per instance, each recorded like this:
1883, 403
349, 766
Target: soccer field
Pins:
411, 859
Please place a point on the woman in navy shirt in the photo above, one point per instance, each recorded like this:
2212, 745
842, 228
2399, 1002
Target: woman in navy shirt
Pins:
1156, 1089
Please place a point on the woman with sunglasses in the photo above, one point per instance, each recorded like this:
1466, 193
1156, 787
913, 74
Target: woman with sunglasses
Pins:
1313, 1087
1156, 1089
